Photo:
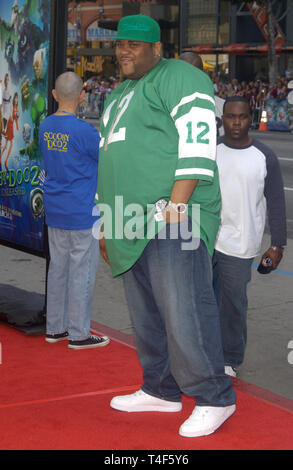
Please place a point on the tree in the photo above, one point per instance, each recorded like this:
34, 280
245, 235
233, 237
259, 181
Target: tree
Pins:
272, 9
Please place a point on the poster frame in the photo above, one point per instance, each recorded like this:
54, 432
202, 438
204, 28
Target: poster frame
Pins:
57, 65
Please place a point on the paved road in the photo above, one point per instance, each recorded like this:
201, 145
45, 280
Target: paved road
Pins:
270, 313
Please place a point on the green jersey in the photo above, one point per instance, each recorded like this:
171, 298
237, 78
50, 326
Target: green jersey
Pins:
154, 131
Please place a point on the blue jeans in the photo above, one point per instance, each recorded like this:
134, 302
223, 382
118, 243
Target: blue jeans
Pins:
176, 322
231, 277
74, 256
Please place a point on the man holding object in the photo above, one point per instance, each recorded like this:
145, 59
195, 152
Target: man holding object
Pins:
251, 184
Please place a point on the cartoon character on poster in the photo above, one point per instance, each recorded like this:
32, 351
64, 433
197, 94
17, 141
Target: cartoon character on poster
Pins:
283, 118
24, 52
9, 131
278, 115
271, 109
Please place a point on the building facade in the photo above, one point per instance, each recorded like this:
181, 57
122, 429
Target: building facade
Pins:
231, 38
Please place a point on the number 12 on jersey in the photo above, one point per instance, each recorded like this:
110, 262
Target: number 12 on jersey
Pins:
202, 129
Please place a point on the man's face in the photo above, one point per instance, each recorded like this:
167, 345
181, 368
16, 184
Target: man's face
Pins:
236, 121
136, 58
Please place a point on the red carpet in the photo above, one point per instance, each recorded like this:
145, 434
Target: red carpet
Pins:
55, 398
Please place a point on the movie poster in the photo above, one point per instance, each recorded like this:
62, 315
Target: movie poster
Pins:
278, 115
24, 61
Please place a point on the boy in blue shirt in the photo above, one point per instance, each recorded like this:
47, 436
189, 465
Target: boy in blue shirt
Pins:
70, 148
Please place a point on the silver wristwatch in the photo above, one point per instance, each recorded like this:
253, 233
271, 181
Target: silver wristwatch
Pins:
180, 208
160, 207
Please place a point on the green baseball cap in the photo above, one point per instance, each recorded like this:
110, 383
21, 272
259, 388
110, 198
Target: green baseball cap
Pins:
138, 28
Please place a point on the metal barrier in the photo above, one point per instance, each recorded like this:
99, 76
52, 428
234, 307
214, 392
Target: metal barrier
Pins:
256, 116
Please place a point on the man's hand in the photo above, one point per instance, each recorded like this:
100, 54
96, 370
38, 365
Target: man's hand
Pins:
103, 249
275, 255
180, 194
173, 217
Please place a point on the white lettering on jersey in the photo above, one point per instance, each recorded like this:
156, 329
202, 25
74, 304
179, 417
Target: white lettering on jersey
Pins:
119, 134
107, 112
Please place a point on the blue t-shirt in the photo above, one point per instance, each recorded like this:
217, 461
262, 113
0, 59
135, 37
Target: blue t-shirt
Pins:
70, 148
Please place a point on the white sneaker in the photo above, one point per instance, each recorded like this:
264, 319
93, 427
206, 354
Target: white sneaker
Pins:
230, 371
141, 401
205, 420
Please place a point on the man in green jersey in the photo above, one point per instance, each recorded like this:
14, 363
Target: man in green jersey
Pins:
159, 199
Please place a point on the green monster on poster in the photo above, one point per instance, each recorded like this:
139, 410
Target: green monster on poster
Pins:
24, 53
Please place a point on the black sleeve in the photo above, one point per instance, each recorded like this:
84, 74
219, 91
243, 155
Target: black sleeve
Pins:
275, 197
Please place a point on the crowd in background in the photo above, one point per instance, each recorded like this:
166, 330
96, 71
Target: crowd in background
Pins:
97, 90
255, 91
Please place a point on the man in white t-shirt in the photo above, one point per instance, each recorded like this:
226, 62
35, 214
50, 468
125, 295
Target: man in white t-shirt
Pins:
251, 186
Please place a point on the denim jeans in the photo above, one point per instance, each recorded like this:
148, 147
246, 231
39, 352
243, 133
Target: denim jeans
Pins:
176, 323
74, 256
231, 277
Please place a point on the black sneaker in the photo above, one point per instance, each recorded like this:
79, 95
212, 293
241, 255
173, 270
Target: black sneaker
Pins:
56, 338
91, 342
